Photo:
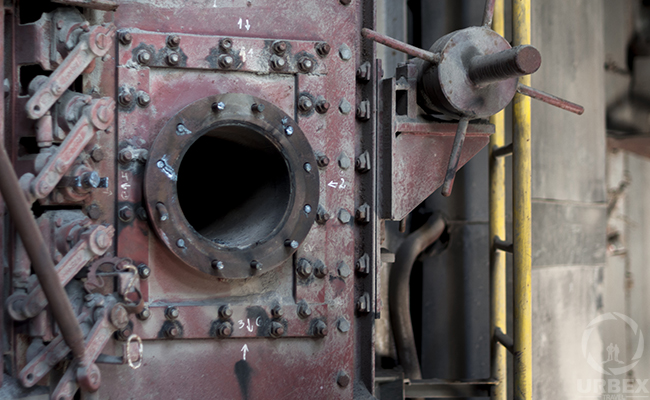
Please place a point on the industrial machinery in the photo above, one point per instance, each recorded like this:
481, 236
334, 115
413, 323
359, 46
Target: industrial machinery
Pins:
195, 190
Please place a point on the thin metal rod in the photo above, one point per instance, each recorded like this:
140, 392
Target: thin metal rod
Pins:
400, 275
521, 187
503, 339
502, 245
511, 63
497, 226
454, 156
488, 14
40, 256
550, 99
401, 46
502, 151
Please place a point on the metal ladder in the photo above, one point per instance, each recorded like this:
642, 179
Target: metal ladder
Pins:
520, 345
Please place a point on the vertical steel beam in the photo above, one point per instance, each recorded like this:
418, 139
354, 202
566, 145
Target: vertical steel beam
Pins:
2, 141
497, 198
521, 15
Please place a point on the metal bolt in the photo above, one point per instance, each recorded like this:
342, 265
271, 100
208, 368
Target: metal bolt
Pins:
225, 312
226, 61
220, 106
257, 107
305, 104
277, 329
119, 316
144, 314
90, 180
171, 331
225, 44
363, 304
144, 271
291, 243
173, 40
288, 130
126, 214
323, 161
224, 329
171, 313
125, 38
363, 214
307, 167
218, 265
303, 310
279, 47
322, 216
344, 106
162, 211
102, 240
256, 265
304, 268
320, 329
125, 98
125, 156
344, 216
144, 57
364, 72
344, 52
320, 269
277, 312
323, 49
343, 379
363, 111
305, 64
173, 58
143, 98
343, 325
141, 213
322, 106
180, 243
307, 208
343, 269
94, 212
277, 63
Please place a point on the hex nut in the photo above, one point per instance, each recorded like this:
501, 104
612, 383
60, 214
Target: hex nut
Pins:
277, 329
225, 44
320, 269
305, 64
320, 329
277, 312
173, 41
144, 271
323, 49
126, 214
173, 58
144, 315
304, 268
125, 37
224, 329
125, 98
144, 57
305, 104
344, 269
226, 61
344, 216
322, 106
143, 98
277, 63
171, 331
279, 47
171, 313
304, 310
343, 325
225, 312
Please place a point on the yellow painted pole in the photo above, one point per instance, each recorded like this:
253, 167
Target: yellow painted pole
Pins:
498, 230
523, 384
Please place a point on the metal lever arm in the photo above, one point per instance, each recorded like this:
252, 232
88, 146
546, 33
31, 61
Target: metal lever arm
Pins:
454, 156
96, 43
401, 46
96, 116
95, 243
550, 99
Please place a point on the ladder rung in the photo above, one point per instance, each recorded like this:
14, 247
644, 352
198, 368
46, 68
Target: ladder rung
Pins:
504, 339
502, 151
503, 246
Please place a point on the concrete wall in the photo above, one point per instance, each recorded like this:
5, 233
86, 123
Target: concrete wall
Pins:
568, 190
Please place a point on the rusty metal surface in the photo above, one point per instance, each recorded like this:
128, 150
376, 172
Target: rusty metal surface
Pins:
235, 293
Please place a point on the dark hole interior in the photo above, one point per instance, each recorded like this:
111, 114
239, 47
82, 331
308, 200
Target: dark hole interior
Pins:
234, 186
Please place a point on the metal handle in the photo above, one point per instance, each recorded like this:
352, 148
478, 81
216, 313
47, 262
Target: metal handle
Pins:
401, 46
550, 99
454, 157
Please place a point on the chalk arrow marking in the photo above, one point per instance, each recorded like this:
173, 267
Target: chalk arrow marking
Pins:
244, 350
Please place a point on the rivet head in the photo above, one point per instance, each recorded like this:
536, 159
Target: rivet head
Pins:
291, 243
307, 167
288, 130
257, 107
220, 106
256, 265
218, 265
180, 243
343, 379
307, 208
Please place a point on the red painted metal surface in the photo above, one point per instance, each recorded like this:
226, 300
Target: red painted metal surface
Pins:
165, 56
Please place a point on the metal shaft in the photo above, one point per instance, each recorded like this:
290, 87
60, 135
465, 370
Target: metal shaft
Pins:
401, 46
488, 14
511, 63
521, 187
40, 256
454, 157
550, 99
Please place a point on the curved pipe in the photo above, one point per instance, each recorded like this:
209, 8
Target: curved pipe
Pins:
399, 304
